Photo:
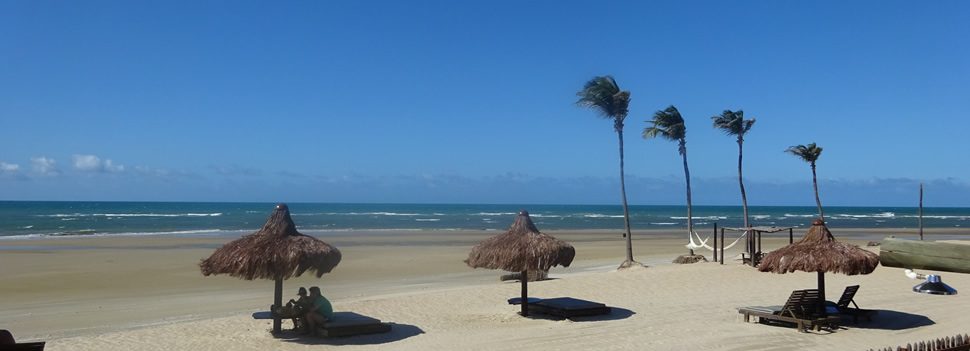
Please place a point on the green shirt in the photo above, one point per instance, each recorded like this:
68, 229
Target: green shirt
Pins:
323, 307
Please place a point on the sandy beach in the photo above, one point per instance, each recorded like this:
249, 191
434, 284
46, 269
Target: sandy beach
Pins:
146, 293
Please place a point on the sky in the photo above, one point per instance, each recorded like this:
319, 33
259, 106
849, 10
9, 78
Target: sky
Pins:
475, 101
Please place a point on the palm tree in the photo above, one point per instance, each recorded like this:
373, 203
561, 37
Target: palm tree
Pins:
604, 95
810, 153
670, 125
733, 123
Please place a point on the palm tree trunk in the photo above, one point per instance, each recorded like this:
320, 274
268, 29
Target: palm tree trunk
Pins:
690, 216
821, 215
626, 211
744, 197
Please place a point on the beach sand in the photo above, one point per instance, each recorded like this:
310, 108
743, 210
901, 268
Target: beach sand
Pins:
146, 293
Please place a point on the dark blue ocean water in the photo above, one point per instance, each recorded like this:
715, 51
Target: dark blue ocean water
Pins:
21, 218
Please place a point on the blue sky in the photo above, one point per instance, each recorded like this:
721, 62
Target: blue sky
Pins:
440, 101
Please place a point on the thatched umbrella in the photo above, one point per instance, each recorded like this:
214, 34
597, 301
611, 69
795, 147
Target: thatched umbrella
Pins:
277, 251
819, 252
521, 249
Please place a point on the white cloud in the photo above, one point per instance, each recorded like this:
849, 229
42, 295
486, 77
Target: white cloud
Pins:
92, 163
44, 166
8, 167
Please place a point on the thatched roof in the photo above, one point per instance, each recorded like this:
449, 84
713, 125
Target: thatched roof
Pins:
521, 248
819, 252
277, 251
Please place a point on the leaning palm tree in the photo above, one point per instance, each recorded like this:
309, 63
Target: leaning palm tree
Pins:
810, 153
733, 123
669, 125
604, 95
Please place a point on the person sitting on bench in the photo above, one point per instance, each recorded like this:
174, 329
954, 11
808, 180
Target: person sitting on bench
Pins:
320, 312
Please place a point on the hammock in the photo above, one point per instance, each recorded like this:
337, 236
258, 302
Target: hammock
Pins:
703, 243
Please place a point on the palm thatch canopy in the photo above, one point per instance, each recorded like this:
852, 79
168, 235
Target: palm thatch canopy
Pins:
277, 251
819, 252
521, 248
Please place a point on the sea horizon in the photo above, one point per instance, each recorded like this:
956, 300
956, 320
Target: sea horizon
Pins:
20, 219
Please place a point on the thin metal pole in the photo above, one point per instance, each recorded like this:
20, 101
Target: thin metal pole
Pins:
791, 237
920, 211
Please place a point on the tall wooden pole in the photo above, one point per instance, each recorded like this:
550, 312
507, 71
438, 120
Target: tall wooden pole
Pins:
722, 246
715, 242
525, 293
821, 293
921, 211
277, 303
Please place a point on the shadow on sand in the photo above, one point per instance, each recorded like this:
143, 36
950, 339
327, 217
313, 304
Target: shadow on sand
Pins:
398, 332
890, 320
616, 313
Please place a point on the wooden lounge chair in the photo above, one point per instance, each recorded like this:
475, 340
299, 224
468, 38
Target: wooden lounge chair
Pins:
848, 296
567, 307
801, 309
350, 323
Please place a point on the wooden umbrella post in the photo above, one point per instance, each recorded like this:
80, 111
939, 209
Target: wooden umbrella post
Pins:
821, 293
277, 303
791, 236
525, 293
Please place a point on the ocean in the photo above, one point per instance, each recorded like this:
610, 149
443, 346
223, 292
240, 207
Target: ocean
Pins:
20, 219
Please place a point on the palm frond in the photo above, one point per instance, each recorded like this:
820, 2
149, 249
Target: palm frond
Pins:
733, 122
670, 122
809, 153
604, 95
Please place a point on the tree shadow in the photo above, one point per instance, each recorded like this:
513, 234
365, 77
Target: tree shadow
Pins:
891, 320
398, 332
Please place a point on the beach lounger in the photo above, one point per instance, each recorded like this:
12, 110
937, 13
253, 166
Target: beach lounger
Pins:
800, 310
848, 296
350, 323
566, 307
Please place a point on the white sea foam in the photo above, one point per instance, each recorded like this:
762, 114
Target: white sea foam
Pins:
544, 216
799, 216
710, 218
72, 215
495, 214
27, 227
427, 219
597, 215
962, 218
92, 232
877, 215
664, 223
760, 216
360, 214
